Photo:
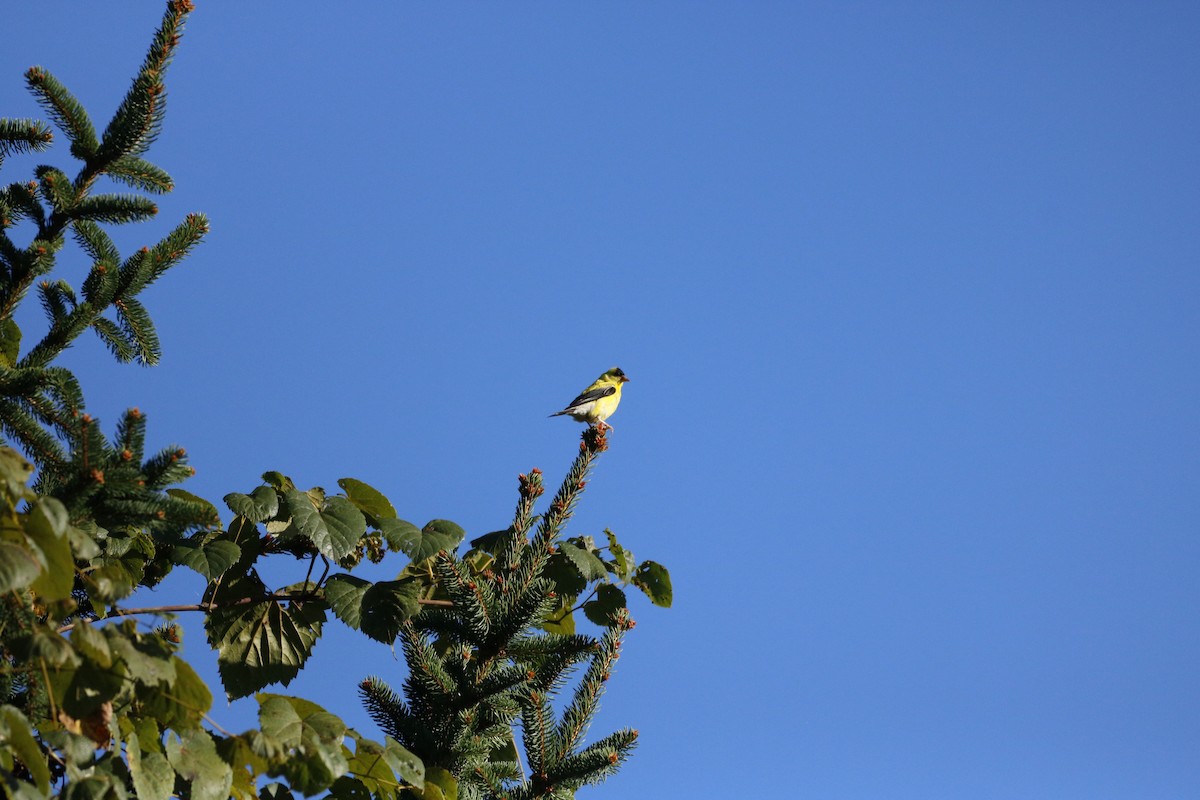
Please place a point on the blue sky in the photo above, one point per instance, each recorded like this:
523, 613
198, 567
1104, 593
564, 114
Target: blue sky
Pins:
908, 294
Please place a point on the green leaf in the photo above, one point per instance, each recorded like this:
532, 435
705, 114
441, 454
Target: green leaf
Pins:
153, 777
19, 567
194, 757
563, 573
10, 342
209, 559
258, 506
376, 609
188, 497
46, 528
275, 791
369, 769
404, 763
263, 643
560, 620
490, 542
603, 609
53, 648
305, 729
335, 528
91, 644
80, 692
83, 544
368, 499
109, 583
182, 704
440, 779
15, 471
344, 593
653, 579
588, 564
622, 560
401, 536
278, 480
148, 658
17, 736
437, 535
386, 606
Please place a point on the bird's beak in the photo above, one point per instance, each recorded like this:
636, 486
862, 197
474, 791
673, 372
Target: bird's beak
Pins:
624, 379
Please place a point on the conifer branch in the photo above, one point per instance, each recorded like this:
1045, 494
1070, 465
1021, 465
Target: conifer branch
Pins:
23, 135
67, 112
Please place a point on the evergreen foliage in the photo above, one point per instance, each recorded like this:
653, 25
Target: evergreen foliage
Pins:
94, 703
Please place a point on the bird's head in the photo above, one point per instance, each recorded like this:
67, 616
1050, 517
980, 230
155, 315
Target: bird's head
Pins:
616, 374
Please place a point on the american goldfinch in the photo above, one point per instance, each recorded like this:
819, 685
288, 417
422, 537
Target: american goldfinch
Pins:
597, 402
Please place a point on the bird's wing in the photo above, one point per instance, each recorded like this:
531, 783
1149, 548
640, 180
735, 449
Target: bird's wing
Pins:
591, 395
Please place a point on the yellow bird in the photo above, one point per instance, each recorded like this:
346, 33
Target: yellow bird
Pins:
597, 402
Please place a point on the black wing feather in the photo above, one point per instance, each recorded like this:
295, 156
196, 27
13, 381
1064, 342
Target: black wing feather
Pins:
594, 394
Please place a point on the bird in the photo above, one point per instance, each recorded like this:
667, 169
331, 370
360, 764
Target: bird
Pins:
597, 402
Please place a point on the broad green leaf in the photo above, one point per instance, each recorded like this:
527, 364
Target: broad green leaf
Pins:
53, 648
182, 704
560, 620
368, 499
263, 643
275, 791
588, 564
17, 736
347, 788
278, 480
194, 757
563, 573
377, 609
401, 536
383, 768
404, 763
78, 750
91, 644
80, 692
188, 497
19, 567
653, 579
280, 719
46, 527
109, 583
441, 780
147, 658
344, 593
313, 733
385, 607
153, 777
15, 471
258, 506
209, 559
10, 342
335, 529
83, 544
437, 535
490, 542
608, 601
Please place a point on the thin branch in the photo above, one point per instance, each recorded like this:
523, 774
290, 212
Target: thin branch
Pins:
210, 607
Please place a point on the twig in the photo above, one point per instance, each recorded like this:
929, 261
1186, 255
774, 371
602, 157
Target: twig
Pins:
241, 601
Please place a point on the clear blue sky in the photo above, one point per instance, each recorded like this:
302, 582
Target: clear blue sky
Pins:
908, 293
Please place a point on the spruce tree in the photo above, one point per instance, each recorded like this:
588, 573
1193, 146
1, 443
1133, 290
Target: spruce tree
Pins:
96, 700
